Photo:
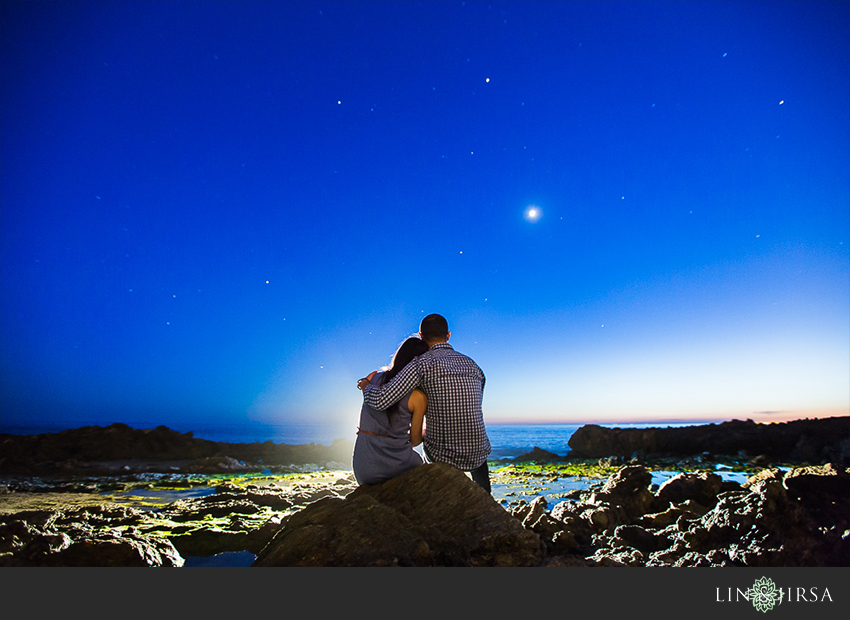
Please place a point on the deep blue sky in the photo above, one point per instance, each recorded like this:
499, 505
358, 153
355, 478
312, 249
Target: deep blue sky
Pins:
230, 211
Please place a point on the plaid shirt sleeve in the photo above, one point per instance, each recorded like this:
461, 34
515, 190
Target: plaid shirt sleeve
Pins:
387, 395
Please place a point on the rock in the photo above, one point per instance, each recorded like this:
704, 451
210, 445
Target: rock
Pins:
520, 510
701, 487
539, 455
823, 490
114, 552
818, 481
207, 542
765, 523
577, 561
565, 508
818, 440
798, 518
215, 465
432, 515
537, 507
687, 509
110, 448
628, 489
58, 539
563, 542
639, 538
763, 476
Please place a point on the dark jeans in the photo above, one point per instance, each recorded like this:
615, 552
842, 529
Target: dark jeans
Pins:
480, 475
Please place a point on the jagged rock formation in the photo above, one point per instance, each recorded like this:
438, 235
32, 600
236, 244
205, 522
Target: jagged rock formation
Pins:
72, 538
798, 518
813, 441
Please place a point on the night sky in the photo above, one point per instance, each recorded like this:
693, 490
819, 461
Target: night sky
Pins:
218, 212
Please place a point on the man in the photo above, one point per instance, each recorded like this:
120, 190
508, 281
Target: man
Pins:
454, 385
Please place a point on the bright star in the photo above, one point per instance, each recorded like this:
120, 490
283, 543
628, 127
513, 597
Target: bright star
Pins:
532, 213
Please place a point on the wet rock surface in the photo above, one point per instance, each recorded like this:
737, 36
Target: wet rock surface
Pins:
436, 516
234, 518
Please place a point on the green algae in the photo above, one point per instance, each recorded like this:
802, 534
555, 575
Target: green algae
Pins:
602, 468
574, 469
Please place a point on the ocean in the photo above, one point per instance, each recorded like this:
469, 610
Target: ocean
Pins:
506, 440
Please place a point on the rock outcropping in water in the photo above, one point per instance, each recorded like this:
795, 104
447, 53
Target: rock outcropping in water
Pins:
814, 441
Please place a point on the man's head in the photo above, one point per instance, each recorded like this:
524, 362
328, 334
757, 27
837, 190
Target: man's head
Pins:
433, 329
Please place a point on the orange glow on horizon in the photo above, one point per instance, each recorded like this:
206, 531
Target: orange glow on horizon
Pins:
767, 417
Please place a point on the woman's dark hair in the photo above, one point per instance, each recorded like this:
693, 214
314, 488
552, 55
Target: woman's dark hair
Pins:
410, 348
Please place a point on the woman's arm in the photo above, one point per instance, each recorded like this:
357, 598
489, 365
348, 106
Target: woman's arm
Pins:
418, 404
366, 380
384, 397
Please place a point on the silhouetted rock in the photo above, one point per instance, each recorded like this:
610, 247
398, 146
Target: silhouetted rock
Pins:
814, 441
539, 455
93, 449
432, 515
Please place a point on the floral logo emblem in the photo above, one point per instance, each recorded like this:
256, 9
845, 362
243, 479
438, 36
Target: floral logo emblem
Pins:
764, 595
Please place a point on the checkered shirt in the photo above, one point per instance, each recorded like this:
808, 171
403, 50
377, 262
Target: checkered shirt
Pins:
454, 385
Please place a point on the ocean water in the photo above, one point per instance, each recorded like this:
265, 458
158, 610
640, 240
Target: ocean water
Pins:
506, 440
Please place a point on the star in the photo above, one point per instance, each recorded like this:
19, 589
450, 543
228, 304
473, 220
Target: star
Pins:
532, 213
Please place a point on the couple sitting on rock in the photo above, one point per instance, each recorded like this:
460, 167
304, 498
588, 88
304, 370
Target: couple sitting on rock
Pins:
427, 380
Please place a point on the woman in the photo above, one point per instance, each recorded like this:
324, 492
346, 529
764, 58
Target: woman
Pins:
385, 439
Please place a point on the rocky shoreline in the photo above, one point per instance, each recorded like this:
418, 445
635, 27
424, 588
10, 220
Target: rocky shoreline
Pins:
312, 513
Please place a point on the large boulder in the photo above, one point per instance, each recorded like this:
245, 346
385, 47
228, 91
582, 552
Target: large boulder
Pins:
432, 515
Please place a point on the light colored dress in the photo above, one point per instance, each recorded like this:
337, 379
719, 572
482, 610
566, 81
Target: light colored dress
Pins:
382, 449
